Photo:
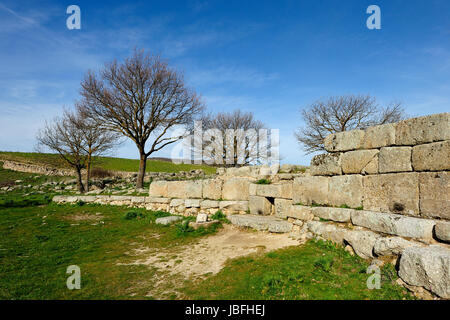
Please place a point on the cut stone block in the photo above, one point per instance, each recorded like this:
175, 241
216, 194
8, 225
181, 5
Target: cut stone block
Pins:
362, 242
309, 190
300, 212
168, 220
158, 189
282, 190
379, 136
442, 231
435, 194
392, 246
187, 189
259, 205
357, 161
431, 157
392, 192
282, 207
427, 267
346, 190
212, 189
394, 159
192, 203
394, 224
236, 189
157, 200
435, 127
327, 164
327, 231
234, 205
261, 223
334, 214
209, 204
344, 141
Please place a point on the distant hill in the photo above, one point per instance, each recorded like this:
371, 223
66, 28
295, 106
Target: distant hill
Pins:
158, 164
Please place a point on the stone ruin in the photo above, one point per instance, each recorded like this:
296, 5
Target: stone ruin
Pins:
383, 193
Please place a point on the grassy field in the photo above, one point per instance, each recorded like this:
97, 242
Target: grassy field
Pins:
41, 239
108, 163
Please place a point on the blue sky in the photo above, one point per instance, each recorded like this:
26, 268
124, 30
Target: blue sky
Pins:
268, 57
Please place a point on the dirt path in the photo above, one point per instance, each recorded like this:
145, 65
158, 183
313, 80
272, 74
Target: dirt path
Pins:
209, 255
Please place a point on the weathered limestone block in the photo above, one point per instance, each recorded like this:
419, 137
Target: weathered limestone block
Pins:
379, 136
357, 161
192, 203
431, 157
208, 204
158, 189
327, 164
187, 189
309, 190
212, 189
327, 231
234, 205
394, 224
300, 212
280, 226
133, 199
435, 194
287, 168
344, 141
236, 189
281, 190
371, 167
362, 242
259, 205
177, 202
157, 200
394, 159
393, 192
427, 267
261, 223
435, 127
168, 220
282, 207
442, 231
346, 190
252, 189
334, 214
392, 246
120, 198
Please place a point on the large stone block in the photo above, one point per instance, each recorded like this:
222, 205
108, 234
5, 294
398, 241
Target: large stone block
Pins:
442, 231
209, 204
346, 190
435, 127
158, 189
327, 164
392, 246
431, 157
282, 207
300, 212
344, 141
334, 214
362, 242
358, 161
259, 205
212, 189
281, 190
236, 189
379, 136
233, 205
192, 203
394, 159
309, 190
327, 231
184, 189
392, 192
427, 267
435, 194
394, 224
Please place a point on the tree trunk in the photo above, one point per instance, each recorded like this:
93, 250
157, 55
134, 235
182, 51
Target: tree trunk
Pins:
88, 172
141, 174
79, 180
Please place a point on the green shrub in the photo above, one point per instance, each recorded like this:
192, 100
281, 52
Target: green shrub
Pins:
130, 215
219, 215
263, 181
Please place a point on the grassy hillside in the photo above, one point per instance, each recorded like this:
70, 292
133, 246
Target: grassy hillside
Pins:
108, 163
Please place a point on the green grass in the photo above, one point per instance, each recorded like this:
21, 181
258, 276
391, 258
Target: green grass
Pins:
317, 270
263, 181
107, 163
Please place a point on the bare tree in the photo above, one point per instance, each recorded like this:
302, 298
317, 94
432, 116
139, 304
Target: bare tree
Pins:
343, 113
143, 99
98, 140
235, 133
65, 137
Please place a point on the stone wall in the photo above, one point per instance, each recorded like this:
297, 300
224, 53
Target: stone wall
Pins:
383, 193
